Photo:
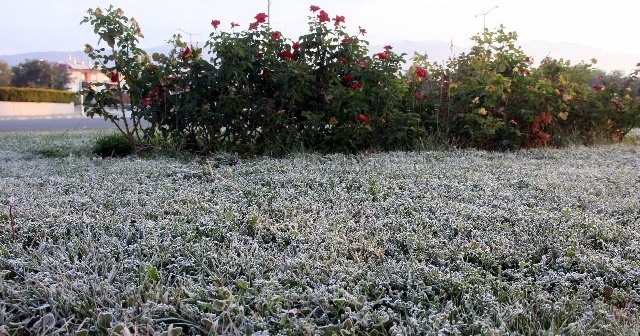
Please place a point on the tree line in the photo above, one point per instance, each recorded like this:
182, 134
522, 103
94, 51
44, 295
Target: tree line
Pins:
34, 73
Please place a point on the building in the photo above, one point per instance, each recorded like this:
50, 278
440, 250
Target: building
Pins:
82, 72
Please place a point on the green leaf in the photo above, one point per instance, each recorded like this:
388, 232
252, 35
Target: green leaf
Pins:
242, 284
105, 319
332, 329
118, 330
82, 332
153, 273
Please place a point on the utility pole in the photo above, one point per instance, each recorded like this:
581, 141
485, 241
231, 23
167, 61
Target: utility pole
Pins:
268, 13
484, 17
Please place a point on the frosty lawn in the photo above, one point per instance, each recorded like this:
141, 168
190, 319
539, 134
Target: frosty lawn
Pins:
451, 242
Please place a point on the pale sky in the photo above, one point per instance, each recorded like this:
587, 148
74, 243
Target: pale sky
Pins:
45, 25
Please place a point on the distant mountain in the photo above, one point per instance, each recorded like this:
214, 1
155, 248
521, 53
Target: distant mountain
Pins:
437, 51
576, 53
51, 56
65, 56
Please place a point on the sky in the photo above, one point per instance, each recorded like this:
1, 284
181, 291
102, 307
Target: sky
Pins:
44, 25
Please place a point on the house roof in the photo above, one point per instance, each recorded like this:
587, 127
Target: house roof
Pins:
75, 64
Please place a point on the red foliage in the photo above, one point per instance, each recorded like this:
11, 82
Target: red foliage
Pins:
538, 136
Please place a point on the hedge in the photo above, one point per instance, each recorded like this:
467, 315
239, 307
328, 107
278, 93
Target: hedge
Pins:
34, 95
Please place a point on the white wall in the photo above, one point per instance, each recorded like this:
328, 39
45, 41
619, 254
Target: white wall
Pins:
20, 109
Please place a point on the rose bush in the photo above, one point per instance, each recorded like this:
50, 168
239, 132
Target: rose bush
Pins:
256, 91
259, 92
125, 64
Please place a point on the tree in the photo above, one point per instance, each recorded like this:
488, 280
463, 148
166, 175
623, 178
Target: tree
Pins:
5, 74
41, 74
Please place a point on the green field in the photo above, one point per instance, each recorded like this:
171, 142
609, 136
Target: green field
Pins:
459, 242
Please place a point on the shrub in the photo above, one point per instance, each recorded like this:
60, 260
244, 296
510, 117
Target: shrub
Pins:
112, 145
34, 95
492, 98
126, 65
261, 93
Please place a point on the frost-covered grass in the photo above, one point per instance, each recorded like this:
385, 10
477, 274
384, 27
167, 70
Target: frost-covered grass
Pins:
451, 242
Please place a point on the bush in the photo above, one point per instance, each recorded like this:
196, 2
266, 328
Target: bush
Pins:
32, 95
261, 93
112, 145
492, 98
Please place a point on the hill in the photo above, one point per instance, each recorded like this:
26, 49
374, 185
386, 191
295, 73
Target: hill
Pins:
607, 60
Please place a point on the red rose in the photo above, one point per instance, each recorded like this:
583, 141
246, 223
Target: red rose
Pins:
215, 24
354, 86
342, 59
362, 30
233, 25
314, 8
363, 118
185, 55
287, 54
147, 102
253, 25
421, 73
323, 16
598, 87
388, 47
347, 79
276, 35
338, 19
345, 40
261, 18
382, 56
296, 46
114, 77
